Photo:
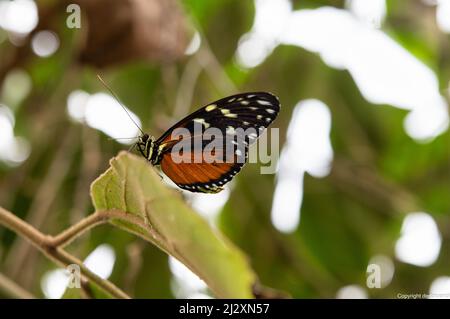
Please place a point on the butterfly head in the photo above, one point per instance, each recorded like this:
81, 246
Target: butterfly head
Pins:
145, 145
143, 139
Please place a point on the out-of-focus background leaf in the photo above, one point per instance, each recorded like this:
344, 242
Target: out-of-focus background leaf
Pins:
381, 196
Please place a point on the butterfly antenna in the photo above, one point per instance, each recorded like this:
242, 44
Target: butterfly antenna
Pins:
122, 138
118, 100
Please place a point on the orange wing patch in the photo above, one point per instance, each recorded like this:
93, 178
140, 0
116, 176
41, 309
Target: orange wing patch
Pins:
206, 176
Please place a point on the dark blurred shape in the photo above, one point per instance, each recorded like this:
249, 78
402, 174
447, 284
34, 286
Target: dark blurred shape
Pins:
119, 31
263, 292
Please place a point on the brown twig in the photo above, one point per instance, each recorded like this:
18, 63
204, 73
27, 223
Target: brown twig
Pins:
13, 290
52, 246
67, 236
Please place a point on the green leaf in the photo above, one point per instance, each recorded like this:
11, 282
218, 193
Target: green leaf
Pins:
160, 215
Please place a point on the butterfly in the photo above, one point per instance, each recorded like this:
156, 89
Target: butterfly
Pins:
236, 121
247, 111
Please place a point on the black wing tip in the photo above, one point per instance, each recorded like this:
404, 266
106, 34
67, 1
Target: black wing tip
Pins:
214, 186
261, 93
271, 97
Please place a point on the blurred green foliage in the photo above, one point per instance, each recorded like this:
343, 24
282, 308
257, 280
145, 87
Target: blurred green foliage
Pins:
344, 222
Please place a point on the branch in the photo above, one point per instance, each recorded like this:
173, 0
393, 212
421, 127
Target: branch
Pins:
50, 246
67, 236
12, 289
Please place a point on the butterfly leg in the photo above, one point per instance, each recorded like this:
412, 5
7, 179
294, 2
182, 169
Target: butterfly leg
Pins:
158, 171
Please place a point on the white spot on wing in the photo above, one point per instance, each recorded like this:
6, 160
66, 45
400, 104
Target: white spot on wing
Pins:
262, 102
201, 121
211, 107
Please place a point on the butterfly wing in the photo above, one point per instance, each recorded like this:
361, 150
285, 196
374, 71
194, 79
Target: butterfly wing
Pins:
253, 111
204, 177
